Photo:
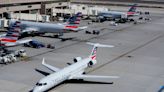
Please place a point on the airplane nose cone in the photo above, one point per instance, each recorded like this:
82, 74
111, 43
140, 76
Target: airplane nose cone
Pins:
36, 89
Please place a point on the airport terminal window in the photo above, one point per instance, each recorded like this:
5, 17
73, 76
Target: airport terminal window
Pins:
29, 6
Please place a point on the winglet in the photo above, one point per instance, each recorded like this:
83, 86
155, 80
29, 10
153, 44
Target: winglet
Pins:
52, 68
43, 61
100, 45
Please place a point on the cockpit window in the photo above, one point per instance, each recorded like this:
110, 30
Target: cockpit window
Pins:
22, 51
37, 83
41, 84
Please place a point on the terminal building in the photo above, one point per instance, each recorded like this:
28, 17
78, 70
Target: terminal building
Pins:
43, 10
19, 9
29, 6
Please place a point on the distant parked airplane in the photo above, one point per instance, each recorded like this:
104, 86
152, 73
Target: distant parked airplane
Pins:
36, 27
118, 14
74, 71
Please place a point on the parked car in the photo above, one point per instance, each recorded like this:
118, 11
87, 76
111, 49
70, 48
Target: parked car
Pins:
34, 44
20, 53
88, 32
96, 32
51, 46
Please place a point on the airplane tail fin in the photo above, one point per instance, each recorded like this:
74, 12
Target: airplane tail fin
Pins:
75, 19
94, 49
13, 33
12, 36
132, 9
72, 22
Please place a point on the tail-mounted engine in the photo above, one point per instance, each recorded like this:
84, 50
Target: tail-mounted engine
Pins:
91, 63
76, 59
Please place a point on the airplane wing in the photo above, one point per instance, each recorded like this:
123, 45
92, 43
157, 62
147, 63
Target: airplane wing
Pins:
81, 28
93, 77
52, 68
75, 28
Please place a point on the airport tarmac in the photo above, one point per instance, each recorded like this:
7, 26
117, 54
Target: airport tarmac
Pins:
137, 58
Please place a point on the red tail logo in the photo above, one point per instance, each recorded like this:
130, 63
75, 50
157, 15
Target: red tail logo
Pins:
93, 54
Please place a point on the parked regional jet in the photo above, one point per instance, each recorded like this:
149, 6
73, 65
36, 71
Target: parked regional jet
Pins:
74, 71
12, 35
38, 27
118, 14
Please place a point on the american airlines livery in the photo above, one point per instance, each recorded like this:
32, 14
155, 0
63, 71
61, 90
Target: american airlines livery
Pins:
118, 14
73, 71
71, 25
12, 35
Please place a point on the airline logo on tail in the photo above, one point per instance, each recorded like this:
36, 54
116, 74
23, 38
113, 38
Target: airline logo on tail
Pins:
93, 54
75, 19
132, 10
12, 34
95, 47
71, 26
72, 21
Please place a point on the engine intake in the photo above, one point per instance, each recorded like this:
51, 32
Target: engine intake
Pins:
91, 63
76, 59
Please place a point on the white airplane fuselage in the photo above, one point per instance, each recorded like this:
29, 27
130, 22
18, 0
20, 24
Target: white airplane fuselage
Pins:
62, 75
74, 71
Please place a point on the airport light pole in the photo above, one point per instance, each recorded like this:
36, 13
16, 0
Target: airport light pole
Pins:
69, 5
7, 8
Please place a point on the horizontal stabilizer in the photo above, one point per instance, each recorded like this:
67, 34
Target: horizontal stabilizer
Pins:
82, 28
52, 68
100, 45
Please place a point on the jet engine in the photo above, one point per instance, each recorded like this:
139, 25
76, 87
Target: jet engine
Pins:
76, 59
91, 63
